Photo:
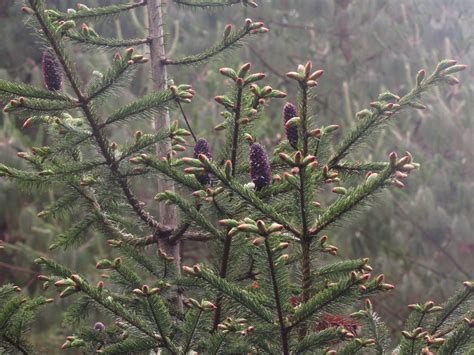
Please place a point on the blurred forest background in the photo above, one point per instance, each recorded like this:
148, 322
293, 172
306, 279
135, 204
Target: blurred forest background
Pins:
421, 237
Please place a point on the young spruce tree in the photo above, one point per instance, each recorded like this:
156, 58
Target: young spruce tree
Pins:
271, 287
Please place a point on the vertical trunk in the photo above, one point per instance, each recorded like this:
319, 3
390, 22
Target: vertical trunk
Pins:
159, 78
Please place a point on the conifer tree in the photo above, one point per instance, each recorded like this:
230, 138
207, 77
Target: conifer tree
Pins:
272, 286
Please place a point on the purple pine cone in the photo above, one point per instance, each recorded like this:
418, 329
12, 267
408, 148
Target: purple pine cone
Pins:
99, 326
290, 111
260, 171
52, 75
202, 147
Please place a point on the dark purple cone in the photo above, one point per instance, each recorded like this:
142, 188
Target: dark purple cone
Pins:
260, 171
99, 326
52, 75
202, 147
290, 111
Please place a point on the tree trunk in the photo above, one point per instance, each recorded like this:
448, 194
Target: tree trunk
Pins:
159, 79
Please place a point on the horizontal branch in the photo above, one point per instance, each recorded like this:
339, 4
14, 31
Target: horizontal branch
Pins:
230, 41
10, 90
359, 168
97, 13
207, 3
106, 43
146, 106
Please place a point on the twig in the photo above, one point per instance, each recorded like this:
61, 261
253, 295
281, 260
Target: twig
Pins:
186, 120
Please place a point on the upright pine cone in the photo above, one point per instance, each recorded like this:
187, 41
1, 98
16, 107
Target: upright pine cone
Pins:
260, 171
202, 147
290, 111
52, 75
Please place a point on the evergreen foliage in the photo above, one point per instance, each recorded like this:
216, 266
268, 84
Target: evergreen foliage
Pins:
272, 286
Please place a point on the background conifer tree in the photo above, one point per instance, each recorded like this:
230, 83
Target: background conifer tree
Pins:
270, 287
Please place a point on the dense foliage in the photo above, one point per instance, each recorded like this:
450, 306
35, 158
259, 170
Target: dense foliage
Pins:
270, 285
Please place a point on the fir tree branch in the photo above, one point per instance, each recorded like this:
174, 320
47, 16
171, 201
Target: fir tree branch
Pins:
33, 106
134, 254
190, 327
377, 330
15, 344
72, 235
451, 307
8, 311
162, 321
130, 344
130, 277
250, 197
276, 293
376, 117
351, 200
141, 144
207, 3
251, 301
321, 300
164, 168
231, 41
344, 266
413, 345
101, 140
275, 189
55, 40
318, 340
106, 43
359, 168
100, 297
96, 13
361, 130
190, 211
463, 335
351, 348
9, 90
216, 342
146, 106
110, 78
